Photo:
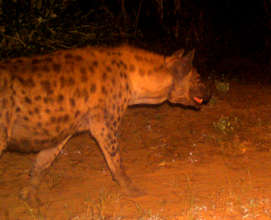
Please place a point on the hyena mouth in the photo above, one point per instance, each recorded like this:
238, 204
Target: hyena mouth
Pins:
198, 100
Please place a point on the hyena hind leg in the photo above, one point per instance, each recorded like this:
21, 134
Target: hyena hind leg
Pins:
43, 161
3, 140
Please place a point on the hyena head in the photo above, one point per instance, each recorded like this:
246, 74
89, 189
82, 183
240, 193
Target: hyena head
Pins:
187, 89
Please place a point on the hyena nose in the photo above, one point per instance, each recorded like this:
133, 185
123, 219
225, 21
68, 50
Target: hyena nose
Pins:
207, 96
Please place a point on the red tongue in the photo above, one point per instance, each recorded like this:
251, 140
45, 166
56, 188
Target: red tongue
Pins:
198, 100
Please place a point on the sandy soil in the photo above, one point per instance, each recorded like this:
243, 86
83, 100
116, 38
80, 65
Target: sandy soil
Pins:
209, 164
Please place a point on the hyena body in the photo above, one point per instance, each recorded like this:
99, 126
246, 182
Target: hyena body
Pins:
46, 99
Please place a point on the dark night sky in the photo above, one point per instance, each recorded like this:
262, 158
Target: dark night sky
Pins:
214, 26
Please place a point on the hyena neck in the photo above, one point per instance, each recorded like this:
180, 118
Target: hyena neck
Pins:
151, 88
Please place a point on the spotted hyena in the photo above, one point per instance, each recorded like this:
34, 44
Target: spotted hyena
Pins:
46, 99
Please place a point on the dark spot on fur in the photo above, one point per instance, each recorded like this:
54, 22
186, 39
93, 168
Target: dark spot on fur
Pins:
72, 102
66, 82
91, 69
46, 86
46, 68
36, 110
12, 100
18, 109
28, 82
127, 86
45, 132
104, 91
95, 63
20, 79
60, 98
93, 88
47, 110
3, 67
84, 77
107, 124
48, 59
113, 62
70, 81
35, 61
123, 64
57, 129
120, 95
7, 61
28, 100
113, 80
77, 93
30, 112
68, 56
57, 67
138, 58
141, 72
19, 61
4, 103
114, 96
37, 98
83, 70
34, 68
78, 58
46, 99
63, 118
132, 68
53, 119
7, 117
77, 113
66, 118
109, 69
85, 94
109, 136
104, 76
62, 81
26, 118
54, 83
92, 54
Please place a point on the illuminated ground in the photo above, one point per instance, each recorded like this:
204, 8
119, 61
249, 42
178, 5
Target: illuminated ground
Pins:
211, 164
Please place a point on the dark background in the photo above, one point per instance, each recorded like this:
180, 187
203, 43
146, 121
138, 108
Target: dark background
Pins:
219, 30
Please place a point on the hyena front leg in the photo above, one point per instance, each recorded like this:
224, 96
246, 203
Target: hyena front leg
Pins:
105, 134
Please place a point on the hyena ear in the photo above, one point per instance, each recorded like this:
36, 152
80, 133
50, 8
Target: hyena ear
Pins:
179, 53
187, 61
189, 57
180, 64
174, 57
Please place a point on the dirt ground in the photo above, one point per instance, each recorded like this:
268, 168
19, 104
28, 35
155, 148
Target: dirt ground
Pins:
209, 164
